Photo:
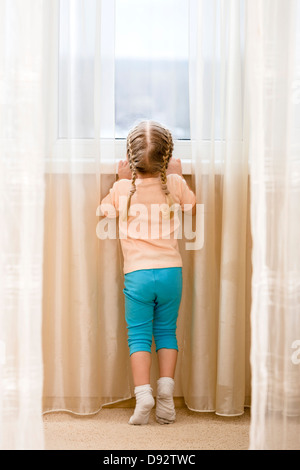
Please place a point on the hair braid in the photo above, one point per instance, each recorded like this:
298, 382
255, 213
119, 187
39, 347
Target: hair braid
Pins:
134, 176
163, 176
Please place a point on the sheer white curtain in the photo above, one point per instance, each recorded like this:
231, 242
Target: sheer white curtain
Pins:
82, 282
217, 374
274, 55
23, 72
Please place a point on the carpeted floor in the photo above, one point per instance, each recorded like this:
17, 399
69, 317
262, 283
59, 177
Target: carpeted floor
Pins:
109, 430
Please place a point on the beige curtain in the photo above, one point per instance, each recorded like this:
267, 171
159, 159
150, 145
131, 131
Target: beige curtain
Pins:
86, 357
274, 53
23, 83
216, 353
84, 343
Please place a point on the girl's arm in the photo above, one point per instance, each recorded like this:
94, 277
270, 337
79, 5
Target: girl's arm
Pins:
175, 167
124, 172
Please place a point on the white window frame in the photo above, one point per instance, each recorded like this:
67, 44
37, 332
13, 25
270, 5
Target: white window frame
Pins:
84, 151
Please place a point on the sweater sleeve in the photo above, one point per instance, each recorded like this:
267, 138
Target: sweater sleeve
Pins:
187, 196
180, 189
109, 204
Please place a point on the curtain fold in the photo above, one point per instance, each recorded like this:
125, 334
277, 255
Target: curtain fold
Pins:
216, 367
274, 55
23, 68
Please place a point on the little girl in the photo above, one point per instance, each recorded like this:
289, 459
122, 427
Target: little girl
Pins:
152, 264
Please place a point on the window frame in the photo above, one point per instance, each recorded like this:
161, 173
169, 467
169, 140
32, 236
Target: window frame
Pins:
85, 151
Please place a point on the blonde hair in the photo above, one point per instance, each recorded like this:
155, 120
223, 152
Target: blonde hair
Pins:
149, 150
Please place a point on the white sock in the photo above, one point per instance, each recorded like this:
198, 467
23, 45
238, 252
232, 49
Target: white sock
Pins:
144, 404
165, 409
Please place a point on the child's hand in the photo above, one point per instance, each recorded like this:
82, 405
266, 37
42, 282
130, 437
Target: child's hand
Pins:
124, 171
174, 167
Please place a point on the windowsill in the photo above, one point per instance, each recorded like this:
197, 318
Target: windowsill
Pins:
82, 156
89, 166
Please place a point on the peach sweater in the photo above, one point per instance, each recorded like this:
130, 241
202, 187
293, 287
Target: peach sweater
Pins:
148, 239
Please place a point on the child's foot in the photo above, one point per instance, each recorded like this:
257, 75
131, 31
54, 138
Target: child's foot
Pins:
144, 404
165, 409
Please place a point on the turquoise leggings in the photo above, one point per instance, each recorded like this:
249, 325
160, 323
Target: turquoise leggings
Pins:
152, 299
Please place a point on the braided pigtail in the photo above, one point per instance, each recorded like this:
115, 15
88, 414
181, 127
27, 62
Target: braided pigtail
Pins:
134, 176
163, 176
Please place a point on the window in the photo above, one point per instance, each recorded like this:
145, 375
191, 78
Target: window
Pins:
151, 66
152, 49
